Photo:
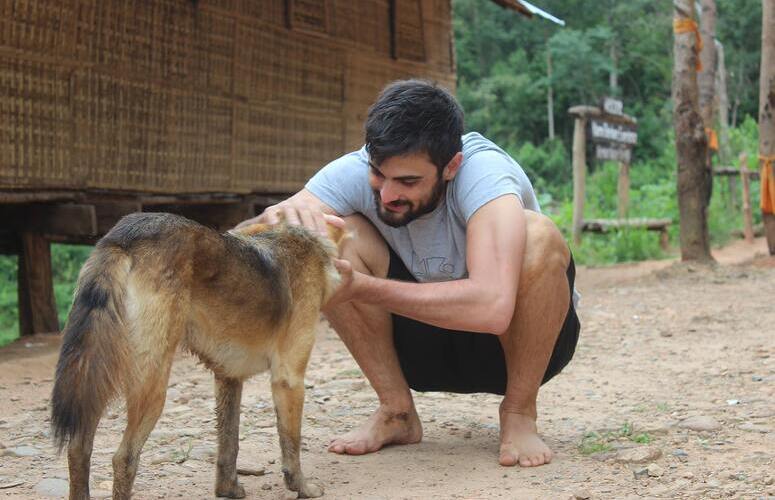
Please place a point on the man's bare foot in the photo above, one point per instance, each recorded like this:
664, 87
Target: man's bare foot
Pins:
384, 427
520, 443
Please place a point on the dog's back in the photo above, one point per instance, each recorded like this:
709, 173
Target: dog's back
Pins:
241, 302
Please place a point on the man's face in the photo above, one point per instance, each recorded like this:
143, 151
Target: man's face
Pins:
405, 188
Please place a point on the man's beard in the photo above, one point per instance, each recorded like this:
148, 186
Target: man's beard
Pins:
394, 219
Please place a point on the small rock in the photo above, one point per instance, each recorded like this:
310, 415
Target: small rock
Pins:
678, 452
22, 451
246, 471
713, 483
655, 470
467, 435
51, 487
639, 472
266, 486
639, 455
582, 495
688, 475
13, 484
106, 485
749, 427
701, 424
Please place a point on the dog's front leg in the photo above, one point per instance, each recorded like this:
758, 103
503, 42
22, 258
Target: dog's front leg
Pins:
288, 394
227, 408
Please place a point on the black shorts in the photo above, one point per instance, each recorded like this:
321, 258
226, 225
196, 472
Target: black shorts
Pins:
437, 359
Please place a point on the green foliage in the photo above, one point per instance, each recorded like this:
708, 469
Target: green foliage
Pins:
599, 442
66, 262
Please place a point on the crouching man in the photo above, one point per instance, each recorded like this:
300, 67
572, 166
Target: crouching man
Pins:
454, 280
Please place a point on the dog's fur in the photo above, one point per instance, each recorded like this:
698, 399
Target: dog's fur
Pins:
243, 302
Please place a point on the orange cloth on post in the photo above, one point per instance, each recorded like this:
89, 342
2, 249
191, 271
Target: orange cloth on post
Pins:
767, 180
688, 25
712, 139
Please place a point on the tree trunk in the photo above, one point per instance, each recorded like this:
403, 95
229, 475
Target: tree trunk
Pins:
549, 92
690, 140
767, 122
706, 78
613, 75
722, 107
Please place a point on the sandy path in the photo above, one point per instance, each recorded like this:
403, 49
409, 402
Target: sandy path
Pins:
660, 343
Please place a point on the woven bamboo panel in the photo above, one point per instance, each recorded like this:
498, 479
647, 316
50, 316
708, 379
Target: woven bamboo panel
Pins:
299, 139
439, 45
39, 26
365, 24
217, 95
408, 30
274, 68
134, 135
271, 11
35, 125
365, 80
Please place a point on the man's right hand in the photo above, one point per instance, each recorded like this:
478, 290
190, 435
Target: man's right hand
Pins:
302, 209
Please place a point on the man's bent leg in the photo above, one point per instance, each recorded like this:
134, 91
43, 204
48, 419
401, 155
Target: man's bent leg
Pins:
542, 304
367, 331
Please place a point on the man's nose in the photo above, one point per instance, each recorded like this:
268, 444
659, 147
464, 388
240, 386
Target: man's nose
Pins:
388, 193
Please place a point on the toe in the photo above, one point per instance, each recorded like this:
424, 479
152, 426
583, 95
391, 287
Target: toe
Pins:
507, 459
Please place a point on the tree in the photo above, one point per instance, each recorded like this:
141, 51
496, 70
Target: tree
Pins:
767, 121
690, 140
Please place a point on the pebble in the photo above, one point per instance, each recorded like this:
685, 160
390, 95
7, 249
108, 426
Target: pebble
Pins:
701, 424
688, 475
639, 472
266, 486
639, 455
51, 487
655, 470
582, 495
247, 471
749, 427
21, 451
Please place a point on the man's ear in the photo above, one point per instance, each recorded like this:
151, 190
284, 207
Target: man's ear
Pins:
450, 170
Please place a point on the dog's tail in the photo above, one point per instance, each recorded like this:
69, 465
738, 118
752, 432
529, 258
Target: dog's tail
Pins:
94, 363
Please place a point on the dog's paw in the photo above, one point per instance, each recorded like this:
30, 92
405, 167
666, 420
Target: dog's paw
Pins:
233, 490
310, 490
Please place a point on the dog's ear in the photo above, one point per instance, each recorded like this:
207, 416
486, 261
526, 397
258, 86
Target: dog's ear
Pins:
338, 235
252, 229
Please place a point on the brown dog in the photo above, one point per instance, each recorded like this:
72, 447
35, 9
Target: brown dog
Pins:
243, 302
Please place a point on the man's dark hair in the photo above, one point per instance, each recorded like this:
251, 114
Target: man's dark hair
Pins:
414, 116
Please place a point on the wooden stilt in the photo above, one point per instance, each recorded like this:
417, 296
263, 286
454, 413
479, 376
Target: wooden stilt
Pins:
37, 306
624, 189
579, 176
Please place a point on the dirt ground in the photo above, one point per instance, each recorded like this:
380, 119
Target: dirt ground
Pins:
670, 395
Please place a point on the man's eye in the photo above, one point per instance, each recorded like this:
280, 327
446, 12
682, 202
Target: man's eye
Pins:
409, 183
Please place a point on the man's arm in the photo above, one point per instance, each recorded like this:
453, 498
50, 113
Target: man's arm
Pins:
484, 302
303, 208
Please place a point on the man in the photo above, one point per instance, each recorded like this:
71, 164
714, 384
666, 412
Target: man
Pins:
453, 282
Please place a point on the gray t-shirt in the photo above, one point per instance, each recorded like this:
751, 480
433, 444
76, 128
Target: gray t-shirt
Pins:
433, 247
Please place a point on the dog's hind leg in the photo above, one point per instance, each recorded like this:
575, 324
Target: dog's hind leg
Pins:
288, 395
144, 405
78, 461
228, 396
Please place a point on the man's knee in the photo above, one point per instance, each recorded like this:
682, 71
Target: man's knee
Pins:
546, 250
366, 250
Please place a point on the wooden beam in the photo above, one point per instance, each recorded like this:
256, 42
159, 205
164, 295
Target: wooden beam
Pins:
108, 213
734, 172
605, 225
219, 217
37, 305
579, 176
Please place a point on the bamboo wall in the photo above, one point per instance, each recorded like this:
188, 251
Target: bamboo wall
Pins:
177, 96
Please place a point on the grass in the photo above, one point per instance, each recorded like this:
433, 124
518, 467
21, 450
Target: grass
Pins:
597, 442
66, 261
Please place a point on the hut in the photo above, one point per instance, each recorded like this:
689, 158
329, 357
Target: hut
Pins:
211, 108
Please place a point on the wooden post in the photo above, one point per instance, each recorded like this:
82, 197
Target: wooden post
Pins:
37, 306
579, 175
767, 123
747, 215
623, 189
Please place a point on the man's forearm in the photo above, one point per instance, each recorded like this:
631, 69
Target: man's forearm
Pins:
455, 305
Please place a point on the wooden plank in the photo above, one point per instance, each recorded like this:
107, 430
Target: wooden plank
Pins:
69, 219
605, 225
579, 176
623, 189
219, 217
37, 306
734, 172
109, 213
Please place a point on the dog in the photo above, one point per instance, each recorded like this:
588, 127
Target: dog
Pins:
244, 302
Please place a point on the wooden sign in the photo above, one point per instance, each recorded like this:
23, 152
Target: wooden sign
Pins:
603, 131
613, 153
612, 106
